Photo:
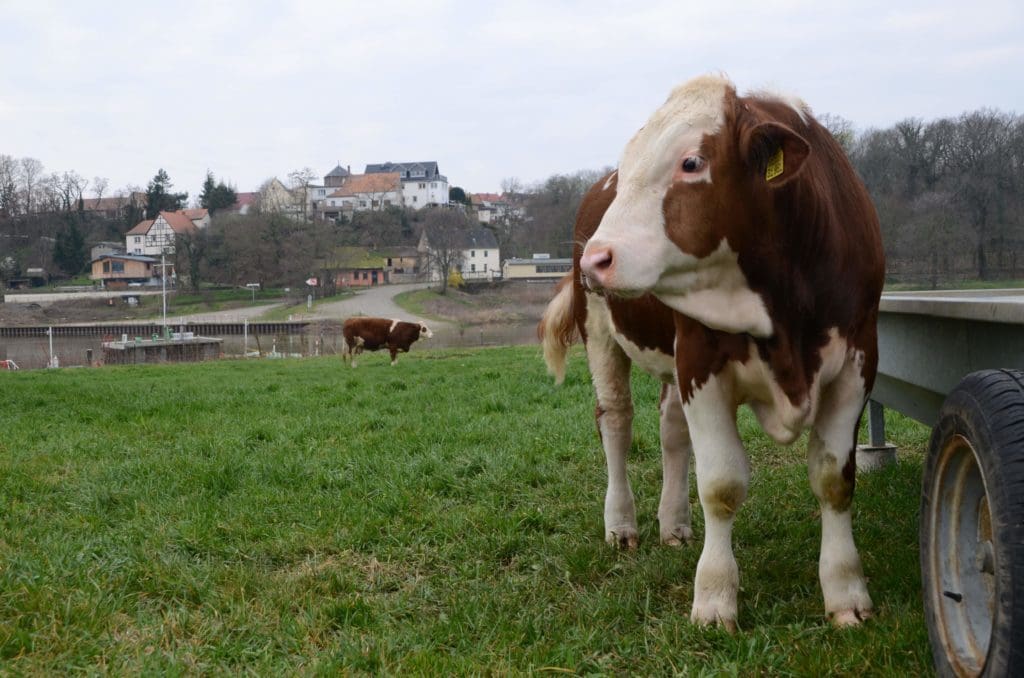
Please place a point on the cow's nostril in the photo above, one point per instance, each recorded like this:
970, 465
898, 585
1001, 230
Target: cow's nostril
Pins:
597, 261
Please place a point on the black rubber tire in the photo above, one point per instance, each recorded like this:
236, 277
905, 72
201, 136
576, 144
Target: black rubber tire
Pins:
981, 423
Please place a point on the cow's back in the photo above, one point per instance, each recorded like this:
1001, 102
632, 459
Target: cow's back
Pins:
372, 333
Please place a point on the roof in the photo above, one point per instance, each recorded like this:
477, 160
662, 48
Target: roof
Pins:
515, 260
113, 202
195, 214
354, 257
338, 171
406, 169
129, 257
141, 228
399, 251
486, 197
360, 184
476, 237
179, 222
243, 199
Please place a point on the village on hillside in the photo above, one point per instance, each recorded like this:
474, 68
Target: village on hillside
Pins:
445, 234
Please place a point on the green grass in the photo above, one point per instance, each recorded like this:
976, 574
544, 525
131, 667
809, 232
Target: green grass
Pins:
415, 303
441, 516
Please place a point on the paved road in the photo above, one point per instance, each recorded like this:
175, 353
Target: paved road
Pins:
374, 301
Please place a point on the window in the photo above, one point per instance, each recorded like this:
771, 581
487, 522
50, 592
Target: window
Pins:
423, 185
117, 266
472, 253
106, 267
472, 268
414, 198
485, 254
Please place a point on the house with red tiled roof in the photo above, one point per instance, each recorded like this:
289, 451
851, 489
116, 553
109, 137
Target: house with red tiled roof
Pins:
154, 237
244, 203
364, 192
115, 207
490, 207
200, 216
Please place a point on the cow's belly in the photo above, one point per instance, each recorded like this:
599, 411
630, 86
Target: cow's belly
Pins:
781, 418
655, 362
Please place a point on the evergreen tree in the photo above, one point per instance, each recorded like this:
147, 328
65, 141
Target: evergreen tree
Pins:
159, 197
216, 195
69, 250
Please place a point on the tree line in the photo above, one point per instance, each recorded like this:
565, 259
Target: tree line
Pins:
949, 194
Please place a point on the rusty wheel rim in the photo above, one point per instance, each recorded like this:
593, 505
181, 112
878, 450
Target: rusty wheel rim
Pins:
962, 557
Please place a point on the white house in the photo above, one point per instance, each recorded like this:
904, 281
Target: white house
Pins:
364, 192
481, 258
423, 185
154, 237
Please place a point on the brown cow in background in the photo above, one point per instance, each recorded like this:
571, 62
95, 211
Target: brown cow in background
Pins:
373, 334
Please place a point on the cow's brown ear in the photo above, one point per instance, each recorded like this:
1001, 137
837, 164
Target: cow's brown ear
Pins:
774, 152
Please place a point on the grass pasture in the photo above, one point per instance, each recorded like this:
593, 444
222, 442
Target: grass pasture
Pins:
442, 516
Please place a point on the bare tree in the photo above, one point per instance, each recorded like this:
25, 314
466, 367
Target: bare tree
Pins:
8, 186
444, 231
840, 128
68, 188
30, 175
99, 187
981, 177
301, 180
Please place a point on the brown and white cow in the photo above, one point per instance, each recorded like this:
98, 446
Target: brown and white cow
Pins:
373, 334
736, 237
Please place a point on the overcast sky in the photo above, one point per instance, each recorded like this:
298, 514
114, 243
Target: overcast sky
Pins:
254, 89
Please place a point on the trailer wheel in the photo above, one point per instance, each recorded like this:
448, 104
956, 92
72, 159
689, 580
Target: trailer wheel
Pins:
972, 528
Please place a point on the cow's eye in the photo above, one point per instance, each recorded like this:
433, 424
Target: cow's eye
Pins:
692, 164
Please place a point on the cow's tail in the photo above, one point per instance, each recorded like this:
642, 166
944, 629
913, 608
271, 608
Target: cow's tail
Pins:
557, 329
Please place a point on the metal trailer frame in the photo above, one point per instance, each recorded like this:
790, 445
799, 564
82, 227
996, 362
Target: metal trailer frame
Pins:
928, 341
954, 361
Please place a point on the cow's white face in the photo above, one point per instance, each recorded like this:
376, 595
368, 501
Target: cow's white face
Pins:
631, 253
425, 332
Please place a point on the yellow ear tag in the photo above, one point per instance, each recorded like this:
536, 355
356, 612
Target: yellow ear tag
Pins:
774, 168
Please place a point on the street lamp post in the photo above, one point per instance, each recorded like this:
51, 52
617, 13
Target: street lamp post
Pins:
163, 287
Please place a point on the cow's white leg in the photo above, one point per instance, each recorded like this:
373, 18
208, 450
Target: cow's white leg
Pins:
609, 369
674, 508
723, 475
831, 466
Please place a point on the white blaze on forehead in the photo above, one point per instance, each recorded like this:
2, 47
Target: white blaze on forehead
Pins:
691, 111
634, 225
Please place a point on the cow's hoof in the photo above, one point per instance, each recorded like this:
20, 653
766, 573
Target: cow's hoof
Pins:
851, 617
679, 536
625, 539
710, 615
715, 612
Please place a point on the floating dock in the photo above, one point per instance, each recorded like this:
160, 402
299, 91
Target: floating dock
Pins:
179, 347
